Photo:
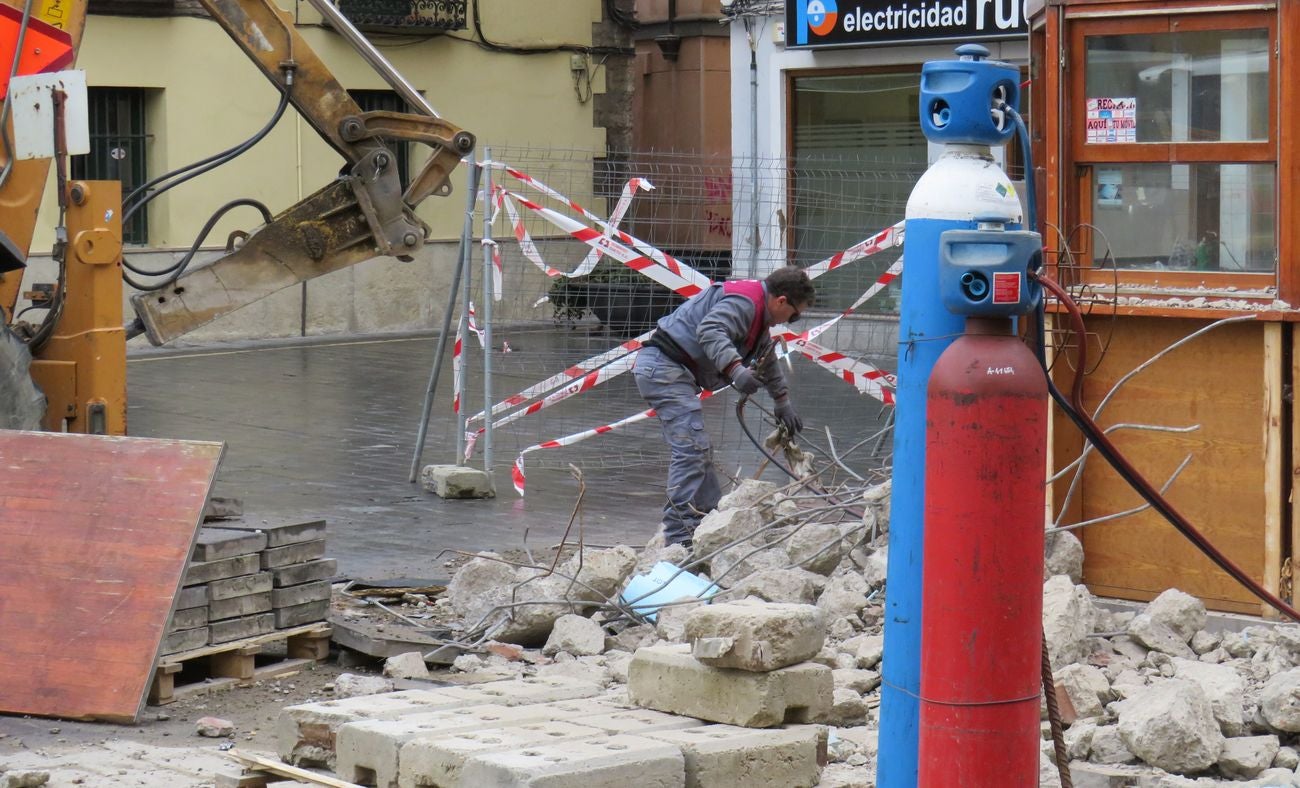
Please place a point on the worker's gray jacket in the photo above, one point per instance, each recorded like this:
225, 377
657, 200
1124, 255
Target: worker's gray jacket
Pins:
711, 328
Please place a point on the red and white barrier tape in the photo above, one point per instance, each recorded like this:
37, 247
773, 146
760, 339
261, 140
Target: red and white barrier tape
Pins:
658, 266
885, 239
864, 377
456, 362
472, 321
561, 378
517, 472
585, 383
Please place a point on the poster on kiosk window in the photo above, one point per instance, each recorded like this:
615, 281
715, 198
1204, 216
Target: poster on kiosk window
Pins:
815, 24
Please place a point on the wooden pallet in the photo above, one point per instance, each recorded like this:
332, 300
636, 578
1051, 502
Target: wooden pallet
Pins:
238, 663
258, 772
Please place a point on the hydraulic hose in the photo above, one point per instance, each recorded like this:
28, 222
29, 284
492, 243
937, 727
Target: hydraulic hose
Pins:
141, 196
176, 269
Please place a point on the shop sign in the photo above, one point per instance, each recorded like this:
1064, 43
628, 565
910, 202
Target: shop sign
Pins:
814, 24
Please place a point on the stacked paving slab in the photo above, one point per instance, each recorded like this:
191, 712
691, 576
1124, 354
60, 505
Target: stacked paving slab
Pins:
246, 580
744, 664
557, 732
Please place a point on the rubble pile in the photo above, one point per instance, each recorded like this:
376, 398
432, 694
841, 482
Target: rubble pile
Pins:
789, 636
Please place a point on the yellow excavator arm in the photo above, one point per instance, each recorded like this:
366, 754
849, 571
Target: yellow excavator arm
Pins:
362, 215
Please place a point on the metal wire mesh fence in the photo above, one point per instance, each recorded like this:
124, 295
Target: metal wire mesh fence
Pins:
721, 216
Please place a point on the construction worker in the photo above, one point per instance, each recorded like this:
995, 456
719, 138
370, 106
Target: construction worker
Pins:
718, 337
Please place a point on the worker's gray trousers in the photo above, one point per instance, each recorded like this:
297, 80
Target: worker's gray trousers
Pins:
693, 489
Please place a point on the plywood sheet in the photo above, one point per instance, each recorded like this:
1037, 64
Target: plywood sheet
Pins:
1219, 382
95, 532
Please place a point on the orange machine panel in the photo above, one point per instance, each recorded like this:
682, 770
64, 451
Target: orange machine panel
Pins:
95, 532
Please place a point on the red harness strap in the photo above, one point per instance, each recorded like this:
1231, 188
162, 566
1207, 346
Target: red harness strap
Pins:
753, 290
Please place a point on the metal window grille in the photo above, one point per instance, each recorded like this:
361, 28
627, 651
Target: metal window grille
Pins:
118, 140
388, 101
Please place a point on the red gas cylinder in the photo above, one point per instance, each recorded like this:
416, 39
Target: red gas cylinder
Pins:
982, 599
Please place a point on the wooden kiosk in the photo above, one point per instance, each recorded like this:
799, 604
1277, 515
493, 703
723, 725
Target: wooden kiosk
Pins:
1168, 164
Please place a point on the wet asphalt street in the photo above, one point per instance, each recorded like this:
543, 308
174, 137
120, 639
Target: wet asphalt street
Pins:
326, 429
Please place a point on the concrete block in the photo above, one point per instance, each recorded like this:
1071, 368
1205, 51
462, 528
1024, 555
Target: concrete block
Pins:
367, 744
297, 615
431, 762
194, 596
755, 637
281, 534
198, 572
299, 553
305, 733
244, 627
726, 756
244, 585
297, 574
668, 678
289, 596
635, 721
246, 605
189, 618
213, 544
613, 762
184, 640
456, 481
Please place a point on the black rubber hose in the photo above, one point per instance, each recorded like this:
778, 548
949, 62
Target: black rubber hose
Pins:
133, 205
179, 266
1073, 408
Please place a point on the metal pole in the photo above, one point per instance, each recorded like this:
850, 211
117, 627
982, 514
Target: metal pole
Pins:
487, 315
467, 273
466, 232
753, 163
368, 53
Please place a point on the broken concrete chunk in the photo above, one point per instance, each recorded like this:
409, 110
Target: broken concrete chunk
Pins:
845, 595
875, 568
755, 637
1158, 636
456, 482
1204, 642
1172, 727
815, 547
214, 727
406, 666
349, 685
1063, 555
1279, 701
24, 778
1068, 617
1286, 758
1108, 747
1078, 739
724, 526
1086, 687
1246, 757
576, 635
670, 623
1223, 687
870, 651
750, 493
792, 586
860, 681
1183, 613
847, 708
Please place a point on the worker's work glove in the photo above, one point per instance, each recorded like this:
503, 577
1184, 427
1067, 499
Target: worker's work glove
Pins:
744, 380
787, 417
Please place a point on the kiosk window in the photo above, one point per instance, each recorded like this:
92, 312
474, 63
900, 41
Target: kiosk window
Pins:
1175, 142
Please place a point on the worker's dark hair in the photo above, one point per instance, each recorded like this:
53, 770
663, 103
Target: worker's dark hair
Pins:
793, 283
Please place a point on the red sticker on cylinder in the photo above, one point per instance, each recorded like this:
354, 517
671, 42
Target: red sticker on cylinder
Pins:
1006, 287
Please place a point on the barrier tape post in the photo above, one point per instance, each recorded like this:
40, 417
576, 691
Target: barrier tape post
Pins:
488, 275
458, 354
466, 232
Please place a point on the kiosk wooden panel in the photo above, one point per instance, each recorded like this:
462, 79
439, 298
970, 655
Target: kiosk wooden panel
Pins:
1220, 381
